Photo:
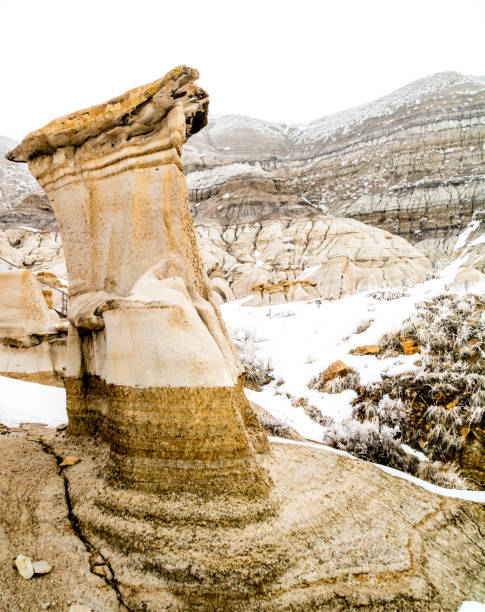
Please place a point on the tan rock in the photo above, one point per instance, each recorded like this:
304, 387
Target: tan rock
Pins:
337, 368
24, 566
412, 350
42, 567
23, 309
409, 346
68, 461
367, 350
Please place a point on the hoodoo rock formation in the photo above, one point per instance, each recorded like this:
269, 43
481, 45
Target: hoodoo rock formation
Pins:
150, 367
167, 492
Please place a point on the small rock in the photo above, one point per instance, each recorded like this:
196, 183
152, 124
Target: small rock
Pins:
68, 461
99, 570
367, 350
411, 350
62, 427
79, 608
337, 368
42, 567
24, 566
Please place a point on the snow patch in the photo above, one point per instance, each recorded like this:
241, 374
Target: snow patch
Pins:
26, 402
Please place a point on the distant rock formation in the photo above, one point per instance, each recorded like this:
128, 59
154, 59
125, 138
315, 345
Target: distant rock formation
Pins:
412, 162
32, 337
16, 182
150, 367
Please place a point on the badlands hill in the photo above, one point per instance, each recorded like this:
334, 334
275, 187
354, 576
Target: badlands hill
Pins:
411, 162
371, 197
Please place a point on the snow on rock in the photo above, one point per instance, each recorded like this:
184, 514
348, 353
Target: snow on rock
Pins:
26, 402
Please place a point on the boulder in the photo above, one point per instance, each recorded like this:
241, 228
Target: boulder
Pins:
367, 350
24, 566
23, 308
337, 368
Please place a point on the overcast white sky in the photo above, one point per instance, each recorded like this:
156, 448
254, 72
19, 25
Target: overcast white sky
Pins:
282, 61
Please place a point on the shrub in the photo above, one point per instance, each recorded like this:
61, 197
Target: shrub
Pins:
433, 407
314, 413
388, 294
364, 326
350, 380
257, 373
275, 426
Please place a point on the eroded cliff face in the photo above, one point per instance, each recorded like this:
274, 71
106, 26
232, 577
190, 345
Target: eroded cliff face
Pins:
412, 163
272, 203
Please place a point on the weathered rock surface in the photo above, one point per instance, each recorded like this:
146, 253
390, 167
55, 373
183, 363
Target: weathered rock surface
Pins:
370, 540
411, 162
150, 368
35, 518
32, 337
281, 248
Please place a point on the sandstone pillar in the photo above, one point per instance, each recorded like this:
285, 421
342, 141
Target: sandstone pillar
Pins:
151, 369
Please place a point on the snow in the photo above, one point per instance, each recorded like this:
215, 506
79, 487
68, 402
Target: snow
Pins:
409, 96
471, 606
472, 496
204, 179
463, 237
411, 451
26, 402
301, 339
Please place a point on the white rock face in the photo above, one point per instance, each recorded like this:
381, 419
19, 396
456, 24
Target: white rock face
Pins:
333, 256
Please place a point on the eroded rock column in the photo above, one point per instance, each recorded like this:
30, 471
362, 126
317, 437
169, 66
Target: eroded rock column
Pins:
151, 369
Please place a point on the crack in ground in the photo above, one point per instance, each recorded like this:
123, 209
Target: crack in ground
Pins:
94, 553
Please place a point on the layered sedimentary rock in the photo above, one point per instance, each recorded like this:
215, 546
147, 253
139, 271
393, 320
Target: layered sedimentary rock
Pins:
32, 337
411, 163
150, 367
344, 536
258, 239
170, 494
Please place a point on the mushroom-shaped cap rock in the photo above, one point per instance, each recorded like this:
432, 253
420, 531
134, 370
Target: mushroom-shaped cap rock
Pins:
137, 111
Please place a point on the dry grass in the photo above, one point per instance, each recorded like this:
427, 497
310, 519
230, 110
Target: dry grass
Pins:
350, 380
434, 407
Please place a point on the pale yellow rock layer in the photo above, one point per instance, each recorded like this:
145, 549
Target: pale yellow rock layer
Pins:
76, 128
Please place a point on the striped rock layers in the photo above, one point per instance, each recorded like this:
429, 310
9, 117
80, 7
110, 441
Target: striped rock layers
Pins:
150, 367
